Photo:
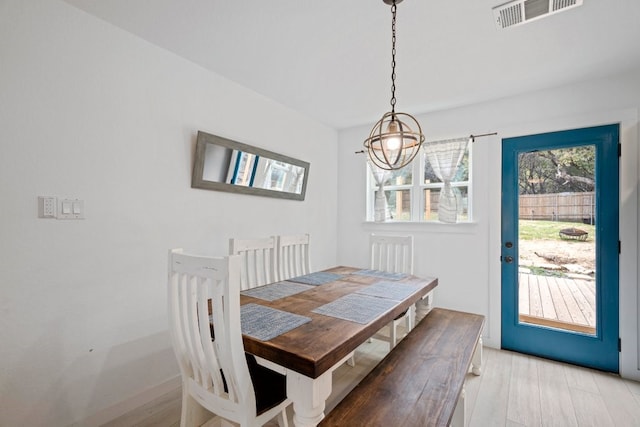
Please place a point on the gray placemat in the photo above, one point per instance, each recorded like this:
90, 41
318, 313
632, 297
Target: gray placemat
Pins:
265, 323
318, 278
276, 291
356, 308
382, 274
390, 290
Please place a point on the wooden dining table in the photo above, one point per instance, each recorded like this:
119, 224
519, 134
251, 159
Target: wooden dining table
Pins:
308, 354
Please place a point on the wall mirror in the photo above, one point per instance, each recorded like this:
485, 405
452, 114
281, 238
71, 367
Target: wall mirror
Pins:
225, 165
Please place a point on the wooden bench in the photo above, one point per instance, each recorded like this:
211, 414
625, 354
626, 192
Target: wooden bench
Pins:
421, 381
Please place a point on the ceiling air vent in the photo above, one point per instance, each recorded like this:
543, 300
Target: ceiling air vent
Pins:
519, 12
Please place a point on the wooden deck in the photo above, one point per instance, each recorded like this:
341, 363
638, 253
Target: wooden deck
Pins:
558, 302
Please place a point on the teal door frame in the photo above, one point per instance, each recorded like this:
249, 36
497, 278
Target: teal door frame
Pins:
599, 351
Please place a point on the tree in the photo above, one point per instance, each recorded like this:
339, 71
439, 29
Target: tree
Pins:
557, 171
535, 173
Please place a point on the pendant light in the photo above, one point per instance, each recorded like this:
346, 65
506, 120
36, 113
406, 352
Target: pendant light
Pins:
396, 138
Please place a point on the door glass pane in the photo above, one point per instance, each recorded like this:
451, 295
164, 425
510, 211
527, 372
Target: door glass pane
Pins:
556, 238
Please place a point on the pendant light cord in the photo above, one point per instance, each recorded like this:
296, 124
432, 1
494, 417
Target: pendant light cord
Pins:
396, 138
393, 58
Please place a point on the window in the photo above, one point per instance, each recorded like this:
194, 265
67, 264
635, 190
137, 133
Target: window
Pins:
413, 192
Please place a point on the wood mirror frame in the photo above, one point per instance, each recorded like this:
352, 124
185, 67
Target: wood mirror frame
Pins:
224, 165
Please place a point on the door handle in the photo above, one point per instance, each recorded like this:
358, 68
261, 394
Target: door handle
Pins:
508, 259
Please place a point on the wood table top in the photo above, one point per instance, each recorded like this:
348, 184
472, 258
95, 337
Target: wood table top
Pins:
316, 346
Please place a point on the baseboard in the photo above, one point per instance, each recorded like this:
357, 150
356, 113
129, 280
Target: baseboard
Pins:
119, 409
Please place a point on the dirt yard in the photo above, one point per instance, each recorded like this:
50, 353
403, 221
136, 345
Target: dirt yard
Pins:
559, 255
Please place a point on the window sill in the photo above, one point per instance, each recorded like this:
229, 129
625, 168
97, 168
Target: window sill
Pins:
466, 227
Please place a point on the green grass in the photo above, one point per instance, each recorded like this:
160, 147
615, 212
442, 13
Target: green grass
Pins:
548, 230
539, 271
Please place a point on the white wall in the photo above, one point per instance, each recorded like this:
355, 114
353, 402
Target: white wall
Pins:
465, 257
91, 112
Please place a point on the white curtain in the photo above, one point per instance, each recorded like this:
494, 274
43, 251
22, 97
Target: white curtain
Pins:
445, 157
380, 208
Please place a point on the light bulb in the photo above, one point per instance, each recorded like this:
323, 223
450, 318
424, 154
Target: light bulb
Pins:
393, 141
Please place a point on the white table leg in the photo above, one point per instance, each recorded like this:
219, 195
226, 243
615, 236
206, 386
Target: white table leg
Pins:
411, 318
423, 307
308, 397
459, 417
476, 361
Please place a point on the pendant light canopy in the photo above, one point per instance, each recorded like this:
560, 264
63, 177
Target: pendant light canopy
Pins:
396, 138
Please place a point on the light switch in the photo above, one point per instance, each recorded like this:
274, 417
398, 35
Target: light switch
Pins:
71, 209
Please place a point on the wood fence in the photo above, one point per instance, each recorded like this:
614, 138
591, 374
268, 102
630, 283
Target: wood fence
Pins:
578, 207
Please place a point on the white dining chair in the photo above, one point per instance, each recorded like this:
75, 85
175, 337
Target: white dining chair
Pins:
217, 375
393, 254
293, 256
258, 260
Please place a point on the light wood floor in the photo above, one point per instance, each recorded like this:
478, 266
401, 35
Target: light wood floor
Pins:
514, 390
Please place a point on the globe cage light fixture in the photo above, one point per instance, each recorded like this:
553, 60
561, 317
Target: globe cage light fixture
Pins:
396, 138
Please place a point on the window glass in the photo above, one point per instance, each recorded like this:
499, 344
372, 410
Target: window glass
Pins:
462, 173
399, 204
431, 197
402, 176
408, 199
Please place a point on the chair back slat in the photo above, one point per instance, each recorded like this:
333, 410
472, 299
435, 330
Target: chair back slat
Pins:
293, 256
258, 260
392, 253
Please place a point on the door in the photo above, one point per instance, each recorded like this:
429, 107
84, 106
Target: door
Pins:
560, 246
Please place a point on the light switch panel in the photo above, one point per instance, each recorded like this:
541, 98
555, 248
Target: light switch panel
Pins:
71, 209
